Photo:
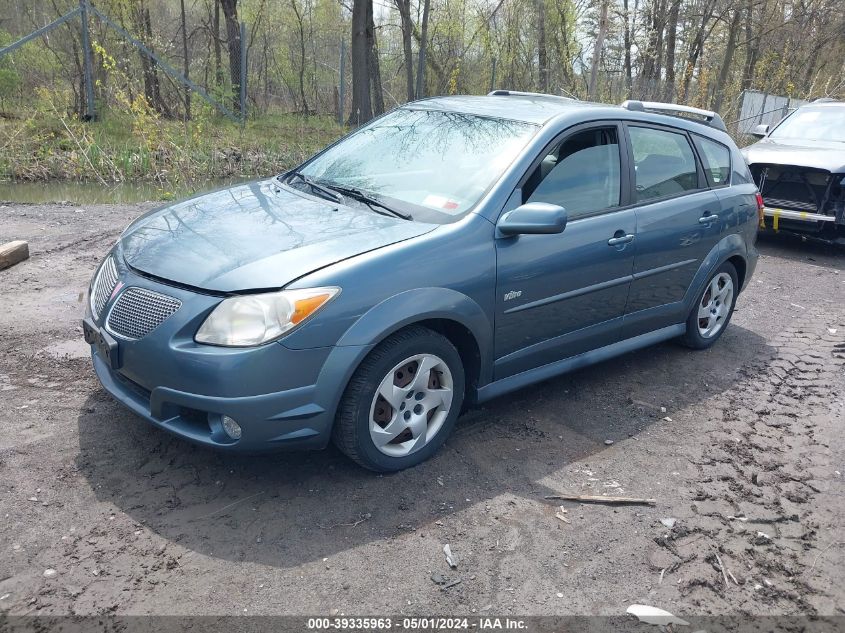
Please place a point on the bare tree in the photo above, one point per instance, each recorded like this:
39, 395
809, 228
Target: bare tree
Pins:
671, 38
233, 43
407, 27
301, 27
597, 50
187, 60
423, 47
362, 107
542, 53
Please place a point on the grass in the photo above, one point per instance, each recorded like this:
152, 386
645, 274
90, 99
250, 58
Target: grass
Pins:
124, 148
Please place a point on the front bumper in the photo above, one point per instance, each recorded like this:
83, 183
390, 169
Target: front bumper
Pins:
282, 398
817, 227
789, 214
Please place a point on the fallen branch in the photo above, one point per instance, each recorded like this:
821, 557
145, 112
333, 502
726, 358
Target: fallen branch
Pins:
603, 499
226, 507
364, 517
816, 559
722, 567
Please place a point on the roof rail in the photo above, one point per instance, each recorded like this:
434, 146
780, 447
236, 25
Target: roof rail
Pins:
672, 109
825, 100
517, 93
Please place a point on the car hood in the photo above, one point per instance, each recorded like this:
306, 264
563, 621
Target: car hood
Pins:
254, 236
825, 155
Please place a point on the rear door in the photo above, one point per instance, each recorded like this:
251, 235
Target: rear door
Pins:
678, 223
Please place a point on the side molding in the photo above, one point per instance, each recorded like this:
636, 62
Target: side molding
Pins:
518, 381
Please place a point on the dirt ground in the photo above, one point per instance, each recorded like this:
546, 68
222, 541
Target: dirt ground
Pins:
742, 446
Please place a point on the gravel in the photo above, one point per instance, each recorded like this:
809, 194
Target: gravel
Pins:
139, 521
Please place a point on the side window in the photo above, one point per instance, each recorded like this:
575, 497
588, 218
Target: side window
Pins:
664, 163
581, 174
717, 161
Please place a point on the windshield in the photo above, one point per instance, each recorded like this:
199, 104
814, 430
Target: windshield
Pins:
813, 124
432, 165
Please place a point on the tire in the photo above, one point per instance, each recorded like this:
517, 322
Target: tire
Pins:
387, 437
709, 316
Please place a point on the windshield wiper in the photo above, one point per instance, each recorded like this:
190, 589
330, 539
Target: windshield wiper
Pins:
325, 191
371, 201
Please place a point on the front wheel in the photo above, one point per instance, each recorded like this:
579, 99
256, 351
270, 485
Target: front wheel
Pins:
712, 312
402, 401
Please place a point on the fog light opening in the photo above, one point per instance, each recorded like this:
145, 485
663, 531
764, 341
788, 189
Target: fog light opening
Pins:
231, 428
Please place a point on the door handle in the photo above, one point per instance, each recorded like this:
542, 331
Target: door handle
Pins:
707, 219
616, 241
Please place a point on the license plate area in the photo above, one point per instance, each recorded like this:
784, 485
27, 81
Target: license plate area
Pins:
107, 348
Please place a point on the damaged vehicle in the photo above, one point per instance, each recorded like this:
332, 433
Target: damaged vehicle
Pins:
799, 167
447, 253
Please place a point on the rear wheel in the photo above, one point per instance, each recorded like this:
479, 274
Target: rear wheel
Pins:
402, 401
712, 312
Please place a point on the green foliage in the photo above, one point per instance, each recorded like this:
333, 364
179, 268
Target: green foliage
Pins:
171, 153
10, 80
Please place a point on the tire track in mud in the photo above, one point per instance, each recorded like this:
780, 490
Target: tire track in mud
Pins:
756, 528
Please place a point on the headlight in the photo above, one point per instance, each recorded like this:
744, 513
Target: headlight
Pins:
249, 320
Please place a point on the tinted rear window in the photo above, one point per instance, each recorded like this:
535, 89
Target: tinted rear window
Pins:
664, 163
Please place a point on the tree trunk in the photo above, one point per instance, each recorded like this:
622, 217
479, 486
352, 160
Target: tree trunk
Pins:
752, 50
695, 50
542, 53
375, 68
186, 59
649, 56
629, 80
152, 86
218, 54
304, 101
362, 108
233, 43
727, 61
671, 39
423, 46
597, 50
659, 27
404, 7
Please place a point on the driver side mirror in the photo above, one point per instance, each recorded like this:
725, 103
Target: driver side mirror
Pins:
533, 218
760, 131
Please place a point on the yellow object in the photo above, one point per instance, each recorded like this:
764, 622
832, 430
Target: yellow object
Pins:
776, 220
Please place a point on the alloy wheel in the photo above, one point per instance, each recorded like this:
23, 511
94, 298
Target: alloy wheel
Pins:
410, 405
715, 305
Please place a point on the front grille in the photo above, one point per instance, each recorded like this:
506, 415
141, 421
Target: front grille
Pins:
779, 203
103, 286
138, 311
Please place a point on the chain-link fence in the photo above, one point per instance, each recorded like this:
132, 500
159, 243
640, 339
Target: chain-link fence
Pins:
152, 63
177, 89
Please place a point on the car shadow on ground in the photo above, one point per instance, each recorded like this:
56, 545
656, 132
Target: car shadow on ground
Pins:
287, 509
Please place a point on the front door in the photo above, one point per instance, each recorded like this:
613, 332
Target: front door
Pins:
561, 295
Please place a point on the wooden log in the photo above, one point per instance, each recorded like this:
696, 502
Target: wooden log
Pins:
603, 499
13, 252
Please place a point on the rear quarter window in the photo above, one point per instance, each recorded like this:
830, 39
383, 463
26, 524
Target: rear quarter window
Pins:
717, 161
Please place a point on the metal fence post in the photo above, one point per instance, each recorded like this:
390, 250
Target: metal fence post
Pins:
342, 85
90, 113
243, 72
